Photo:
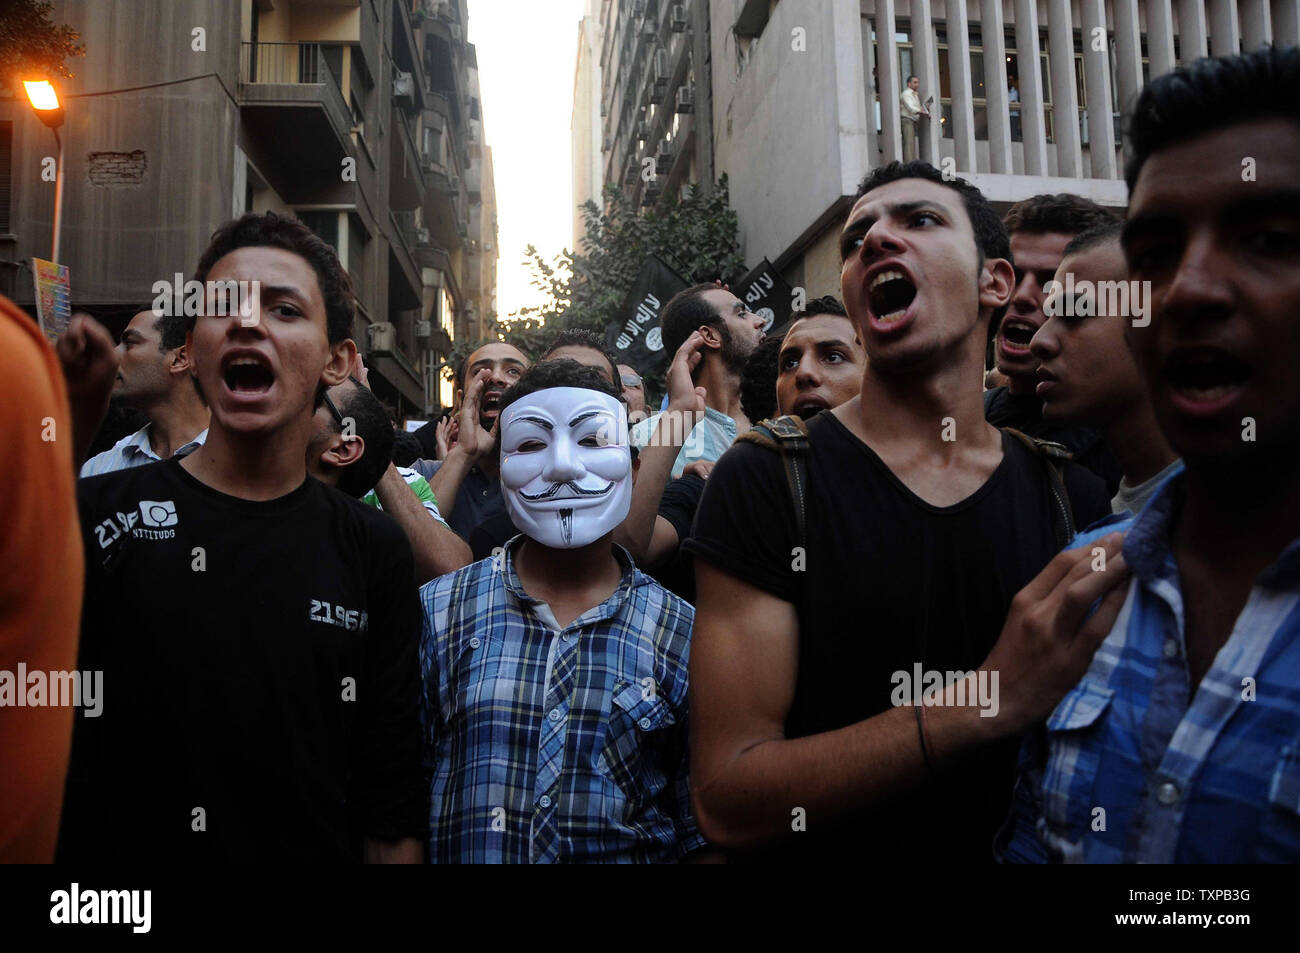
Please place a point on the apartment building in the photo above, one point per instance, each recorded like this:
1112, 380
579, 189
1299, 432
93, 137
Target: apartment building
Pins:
806, 99
358, 116
656, 112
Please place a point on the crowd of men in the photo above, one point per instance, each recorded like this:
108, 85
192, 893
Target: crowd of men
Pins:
995, 557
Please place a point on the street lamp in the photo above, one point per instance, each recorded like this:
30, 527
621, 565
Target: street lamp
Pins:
45, 102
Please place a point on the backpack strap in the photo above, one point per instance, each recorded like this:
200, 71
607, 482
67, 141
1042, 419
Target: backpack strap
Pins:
788, 436
1054, 457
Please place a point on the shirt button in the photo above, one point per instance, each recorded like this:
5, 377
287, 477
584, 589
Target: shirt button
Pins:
544, 801
474, 642
645, 724
564, 637
1171, 648
555, 714
1167, 794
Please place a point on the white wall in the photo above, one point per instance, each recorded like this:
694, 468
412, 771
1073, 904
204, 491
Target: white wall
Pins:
790, 131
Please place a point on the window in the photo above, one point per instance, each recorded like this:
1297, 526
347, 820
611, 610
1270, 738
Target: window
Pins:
324, 224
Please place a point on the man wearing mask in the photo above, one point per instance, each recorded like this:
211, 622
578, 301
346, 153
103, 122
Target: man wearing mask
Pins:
554, 674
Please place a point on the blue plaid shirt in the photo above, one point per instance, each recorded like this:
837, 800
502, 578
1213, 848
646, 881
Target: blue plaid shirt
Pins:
554, 744
1130, 769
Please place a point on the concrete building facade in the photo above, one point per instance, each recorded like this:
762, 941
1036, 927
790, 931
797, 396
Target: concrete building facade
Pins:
357, 116
806, 99
656, 109
586, 125
796, 100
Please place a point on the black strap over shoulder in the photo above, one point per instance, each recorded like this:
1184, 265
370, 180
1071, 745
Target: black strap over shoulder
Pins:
788, 436
1054, 457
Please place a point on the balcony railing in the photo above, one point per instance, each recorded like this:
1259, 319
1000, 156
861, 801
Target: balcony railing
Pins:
285, 64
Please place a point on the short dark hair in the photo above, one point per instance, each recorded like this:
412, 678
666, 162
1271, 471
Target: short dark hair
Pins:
1109, 232
406, 448
273, 230
462, 366
685, 312
562, 372
758, 381
1062, 213
581, 337
827, 304
991, 238
171, 329
369, 422
1211, 94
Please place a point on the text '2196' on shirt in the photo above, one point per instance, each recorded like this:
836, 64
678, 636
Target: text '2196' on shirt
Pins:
888, 581
260, 673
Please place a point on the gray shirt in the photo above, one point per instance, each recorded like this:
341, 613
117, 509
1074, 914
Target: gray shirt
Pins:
1131, 499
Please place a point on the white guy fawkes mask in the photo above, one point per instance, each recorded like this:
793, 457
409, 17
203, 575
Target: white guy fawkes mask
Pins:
566, 470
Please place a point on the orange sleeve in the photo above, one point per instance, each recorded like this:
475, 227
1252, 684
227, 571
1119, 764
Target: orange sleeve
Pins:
41, 580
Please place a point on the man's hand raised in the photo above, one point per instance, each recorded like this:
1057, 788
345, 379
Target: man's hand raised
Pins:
683, 396
472, 439
89, 360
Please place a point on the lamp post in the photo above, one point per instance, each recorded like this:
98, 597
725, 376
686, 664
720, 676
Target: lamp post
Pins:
45, 102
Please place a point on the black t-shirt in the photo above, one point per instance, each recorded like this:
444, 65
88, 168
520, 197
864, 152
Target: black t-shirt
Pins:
260, 675
1024, 412
888, 581
681, 498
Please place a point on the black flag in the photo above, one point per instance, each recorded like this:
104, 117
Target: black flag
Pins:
766, 292
635, 337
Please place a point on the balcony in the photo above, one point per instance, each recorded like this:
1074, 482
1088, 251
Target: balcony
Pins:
406, 176
293, 106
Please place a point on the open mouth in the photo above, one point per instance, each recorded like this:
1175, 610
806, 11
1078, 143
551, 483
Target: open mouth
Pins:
1205, 376
1016, 335
566, 491
248, 375
810, 406
890, 294
491, 402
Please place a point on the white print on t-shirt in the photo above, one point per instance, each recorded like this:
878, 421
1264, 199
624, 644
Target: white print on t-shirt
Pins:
353, 620
152, 513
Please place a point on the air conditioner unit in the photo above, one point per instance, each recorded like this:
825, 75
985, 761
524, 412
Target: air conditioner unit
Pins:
664, 158
422, 236
382, 338
632, 172
650, 196
638, 8
686, 100
404, 89
453, 183
678, 20
424, 10
455, 31
649, 29
643, 130
662, 69
423, 331
487, 246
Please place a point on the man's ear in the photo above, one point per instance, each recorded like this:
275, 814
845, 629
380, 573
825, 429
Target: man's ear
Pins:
997, 283
341, 451
180, 360
343, 356
712, 336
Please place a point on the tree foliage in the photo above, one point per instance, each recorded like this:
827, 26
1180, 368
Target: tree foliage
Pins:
586, 289
32, 46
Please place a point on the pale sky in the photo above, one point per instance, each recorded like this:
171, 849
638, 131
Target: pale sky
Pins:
526, 55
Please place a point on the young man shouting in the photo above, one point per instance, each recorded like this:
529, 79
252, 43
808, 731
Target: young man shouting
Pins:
922, 524
1180, 742
555, 692
257, 631
1087, 377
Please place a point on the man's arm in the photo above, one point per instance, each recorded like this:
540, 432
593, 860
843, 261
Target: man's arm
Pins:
472, 444
748, 777
437, 549
647, 536
408, 850
89, 361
